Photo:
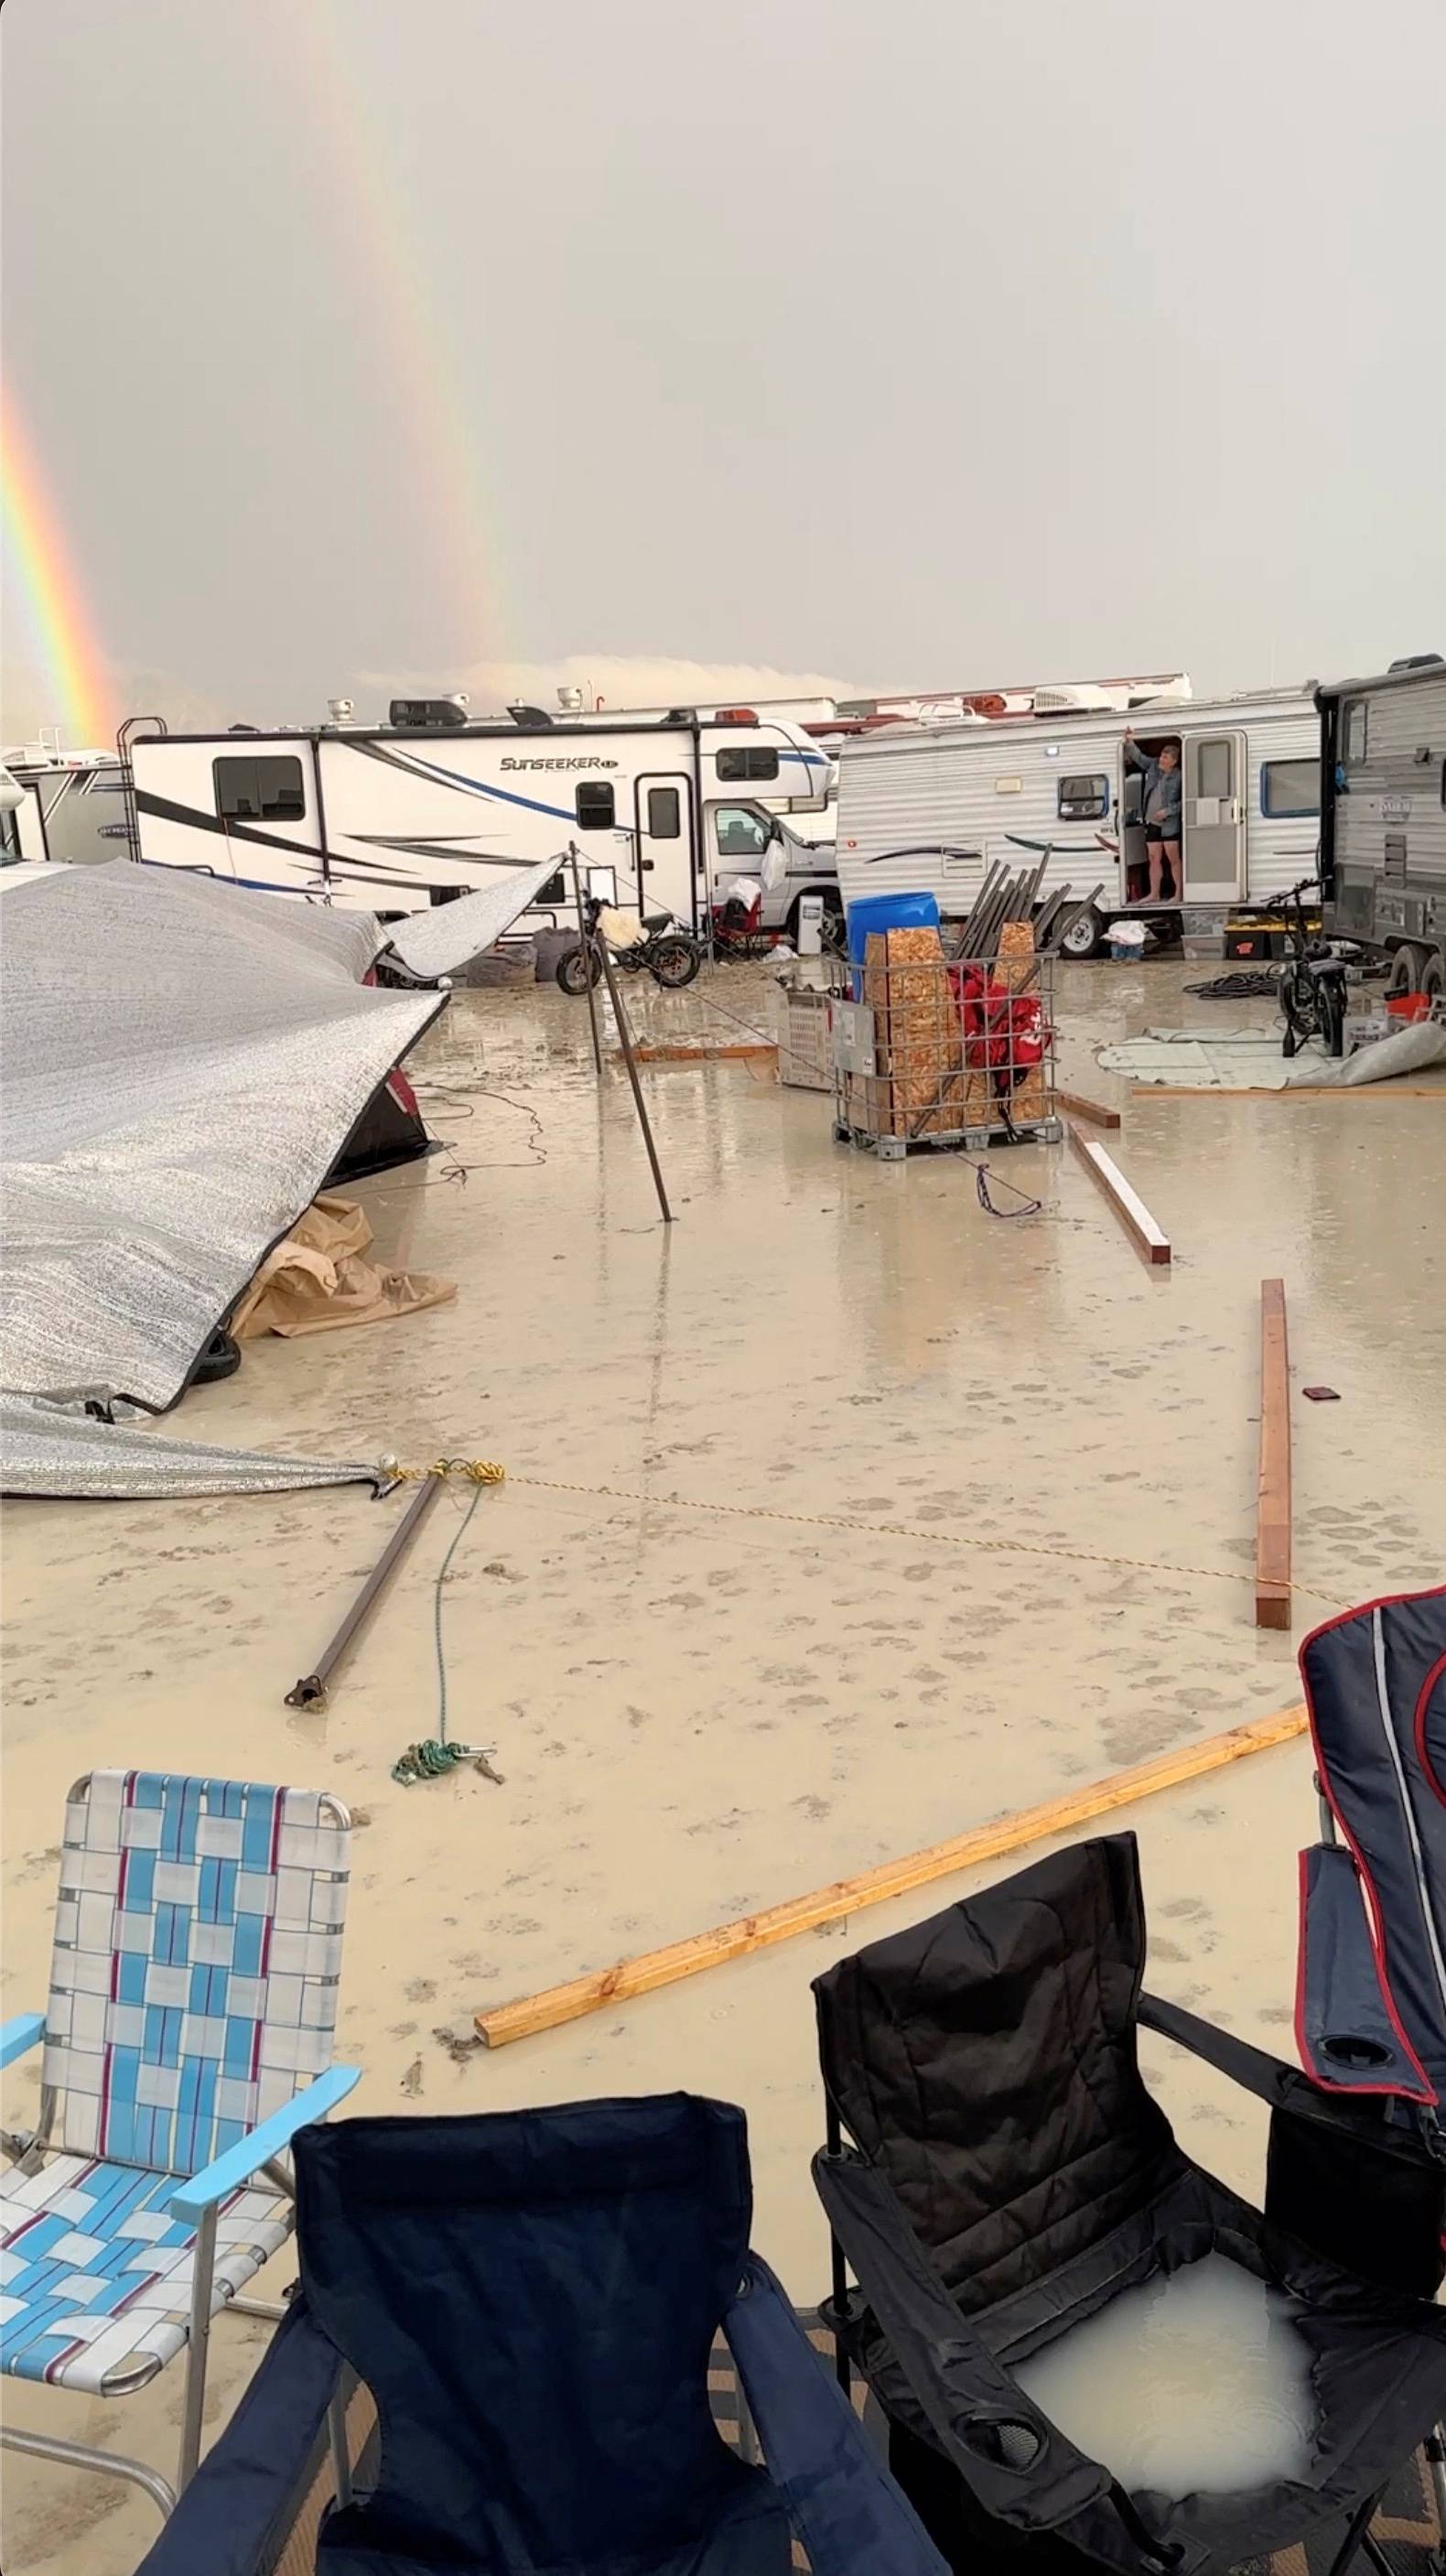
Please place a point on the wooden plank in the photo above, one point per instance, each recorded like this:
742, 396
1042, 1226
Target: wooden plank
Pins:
503, 2023
1272, 1497
1391, 1090
1079, 1107
695, 1054
1128, 1206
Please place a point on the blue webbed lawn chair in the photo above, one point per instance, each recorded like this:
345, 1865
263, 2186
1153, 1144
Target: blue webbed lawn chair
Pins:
531, 2299
187, 2036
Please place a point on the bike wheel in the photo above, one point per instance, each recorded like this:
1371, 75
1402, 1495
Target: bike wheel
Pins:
675, 962
1332, 1008
576, 969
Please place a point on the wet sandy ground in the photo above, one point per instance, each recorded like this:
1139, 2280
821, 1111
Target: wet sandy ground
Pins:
698, 1714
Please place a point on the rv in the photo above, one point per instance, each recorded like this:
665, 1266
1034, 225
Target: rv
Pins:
392, 818
930, 810
1383, 817
70, 810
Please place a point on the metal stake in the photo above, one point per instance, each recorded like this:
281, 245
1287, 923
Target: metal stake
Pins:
312, 1688
625, 1034
591, 979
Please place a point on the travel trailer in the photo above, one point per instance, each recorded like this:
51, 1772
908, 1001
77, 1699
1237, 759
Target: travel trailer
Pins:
1383, 817
930, 809
71, 810
391, 818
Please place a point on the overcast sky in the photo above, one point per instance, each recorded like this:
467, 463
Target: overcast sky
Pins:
901, 342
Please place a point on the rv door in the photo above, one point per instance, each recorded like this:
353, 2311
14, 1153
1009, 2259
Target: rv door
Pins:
1215, 817
665, 844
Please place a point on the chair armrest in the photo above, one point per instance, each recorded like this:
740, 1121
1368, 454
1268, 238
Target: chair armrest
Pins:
20, 2035
1254, 2069
851, 2518
257, 2471
240, 2162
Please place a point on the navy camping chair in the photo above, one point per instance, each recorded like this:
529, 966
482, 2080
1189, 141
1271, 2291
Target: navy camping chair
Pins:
531, 2299
1009, 2175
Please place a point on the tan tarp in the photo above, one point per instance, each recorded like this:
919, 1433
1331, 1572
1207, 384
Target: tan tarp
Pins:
318, 1278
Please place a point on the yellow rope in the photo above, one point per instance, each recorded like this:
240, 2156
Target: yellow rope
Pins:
468, 1471
482, 1471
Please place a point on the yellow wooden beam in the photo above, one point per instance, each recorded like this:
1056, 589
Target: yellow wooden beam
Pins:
653, 1968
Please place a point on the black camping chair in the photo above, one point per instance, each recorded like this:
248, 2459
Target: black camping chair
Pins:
531, 2299
1010, 2174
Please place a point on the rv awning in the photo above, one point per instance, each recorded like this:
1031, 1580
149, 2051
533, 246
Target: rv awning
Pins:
182, 1060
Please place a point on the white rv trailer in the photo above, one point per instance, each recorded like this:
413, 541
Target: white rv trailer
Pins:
71, 810
1383, 839
966, 796
392, 818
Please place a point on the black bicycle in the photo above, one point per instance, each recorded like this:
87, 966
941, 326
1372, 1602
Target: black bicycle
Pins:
1312, 982
670, 954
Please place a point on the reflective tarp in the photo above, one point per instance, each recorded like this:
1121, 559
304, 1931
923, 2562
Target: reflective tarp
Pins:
46, 1450
439, 942
182, 1059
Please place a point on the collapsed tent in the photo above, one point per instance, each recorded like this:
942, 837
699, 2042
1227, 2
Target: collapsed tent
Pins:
183, 1060
442, 941
47, 1450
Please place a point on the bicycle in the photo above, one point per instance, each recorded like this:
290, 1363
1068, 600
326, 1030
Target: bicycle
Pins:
668, 953
1312, 983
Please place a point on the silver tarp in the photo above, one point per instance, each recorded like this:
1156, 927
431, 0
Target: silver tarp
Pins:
438, 942
182, 1060
46, 1450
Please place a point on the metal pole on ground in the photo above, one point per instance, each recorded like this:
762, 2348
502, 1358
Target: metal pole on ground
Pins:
587, 966
312, 1690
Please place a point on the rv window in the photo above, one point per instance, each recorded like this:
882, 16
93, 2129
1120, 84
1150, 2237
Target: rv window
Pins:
749, 760
1083, 800
259, 791
1289, 787
742, 834
595, 805
1354, 733
1216, 770
664, 821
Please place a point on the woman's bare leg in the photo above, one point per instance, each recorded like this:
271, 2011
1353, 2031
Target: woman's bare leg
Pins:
1155, 852
1171, 851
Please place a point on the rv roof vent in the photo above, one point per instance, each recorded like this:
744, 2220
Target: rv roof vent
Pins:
736, 715
530, 716
1415, 662
681, 715
570, 701
1058, 702
427, 714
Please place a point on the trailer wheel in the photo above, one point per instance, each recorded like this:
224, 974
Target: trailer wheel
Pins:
1085, 936
1408, 965
1433, 976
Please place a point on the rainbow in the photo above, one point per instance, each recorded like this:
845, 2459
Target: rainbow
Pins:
372, 204
37, 556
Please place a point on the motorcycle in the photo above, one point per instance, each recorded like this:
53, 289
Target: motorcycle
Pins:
670, 954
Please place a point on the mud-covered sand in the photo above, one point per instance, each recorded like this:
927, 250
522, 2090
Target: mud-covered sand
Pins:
697, 1713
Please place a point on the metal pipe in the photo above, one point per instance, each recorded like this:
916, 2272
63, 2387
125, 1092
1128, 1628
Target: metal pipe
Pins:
312, 1688
79, 2455
625, 1034
590, 978
203, 2270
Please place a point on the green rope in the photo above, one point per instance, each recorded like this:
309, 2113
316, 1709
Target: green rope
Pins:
436, 1755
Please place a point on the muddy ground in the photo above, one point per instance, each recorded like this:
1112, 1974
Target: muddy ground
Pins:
700, 1700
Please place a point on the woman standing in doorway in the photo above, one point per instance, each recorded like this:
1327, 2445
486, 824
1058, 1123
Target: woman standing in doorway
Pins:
1163, 791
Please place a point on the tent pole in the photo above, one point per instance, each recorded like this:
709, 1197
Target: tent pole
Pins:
625, 1036
589, 976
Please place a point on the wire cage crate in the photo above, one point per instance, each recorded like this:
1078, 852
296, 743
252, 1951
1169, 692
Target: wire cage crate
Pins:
939, 1051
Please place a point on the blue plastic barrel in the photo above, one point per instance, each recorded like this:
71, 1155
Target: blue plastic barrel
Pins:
885, 912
